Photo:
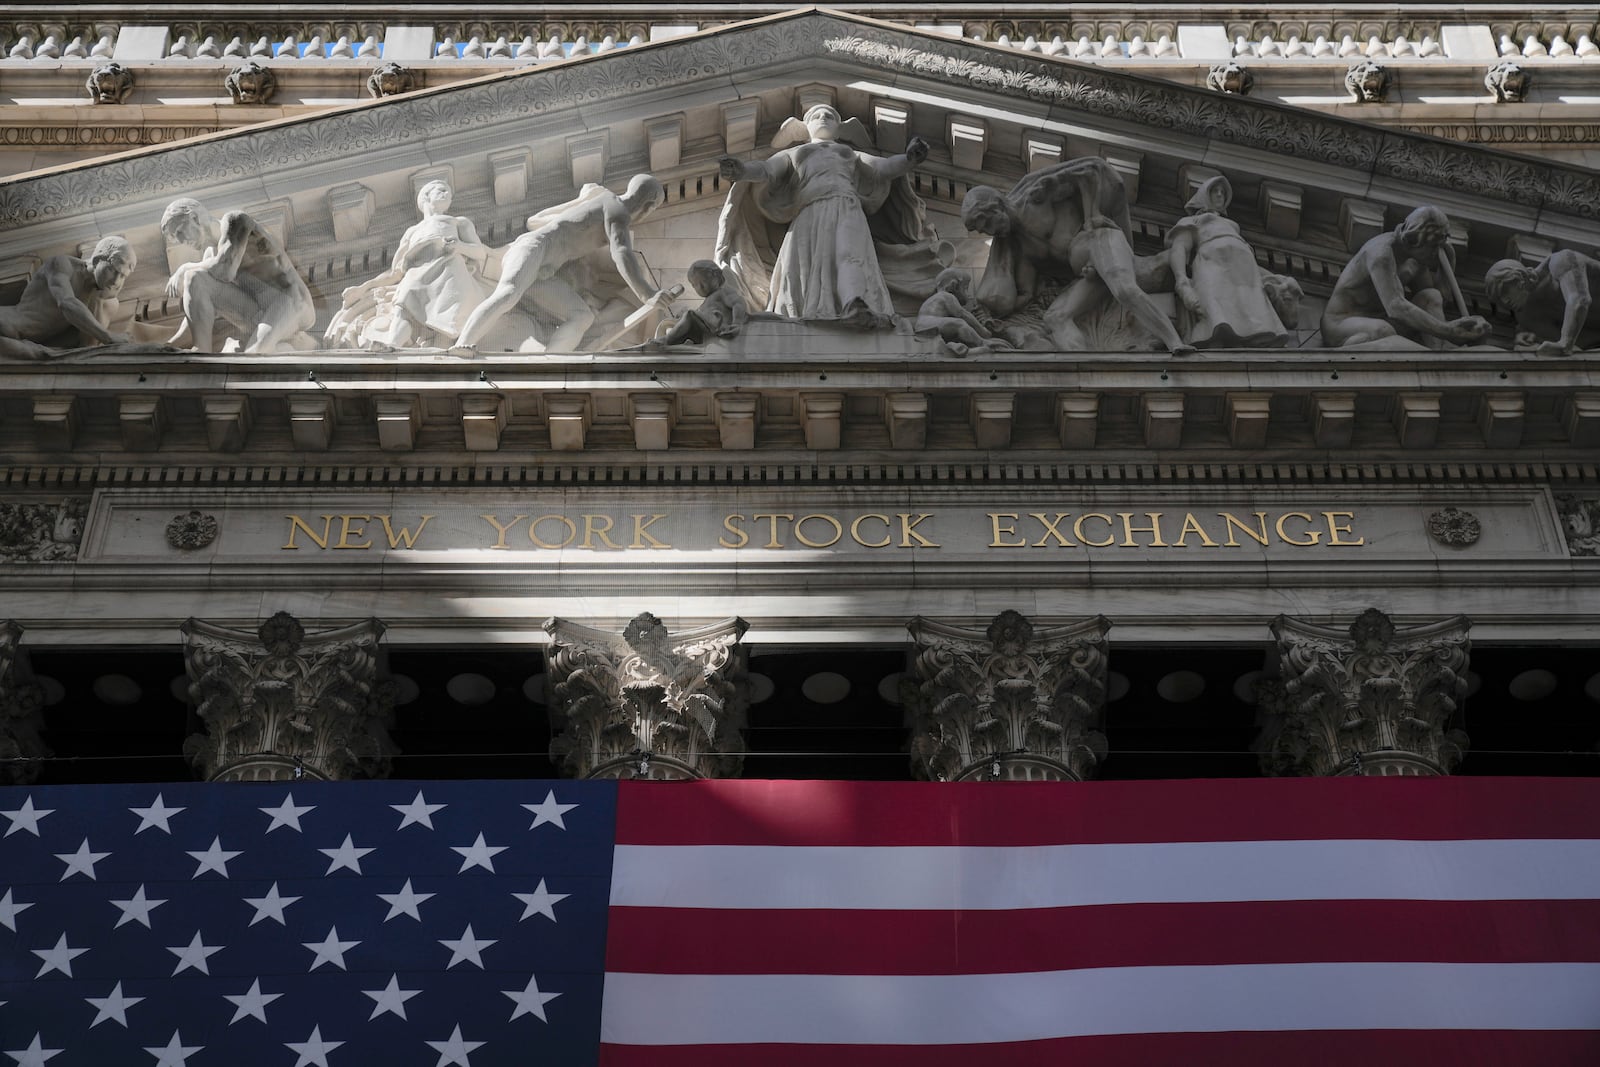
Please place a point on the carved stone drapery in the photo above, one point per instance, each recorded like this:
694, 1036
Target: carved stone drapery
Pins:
21, 701
280, 704
647, 704
1009, 701
1374, 699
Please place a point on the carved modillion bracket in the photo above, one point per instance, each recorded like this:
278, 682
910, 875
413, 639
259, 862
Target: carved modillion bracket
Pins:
399, 417
1372, 698
483, 418
280, 704
647, 703
56, 418
567, 416
1009, 701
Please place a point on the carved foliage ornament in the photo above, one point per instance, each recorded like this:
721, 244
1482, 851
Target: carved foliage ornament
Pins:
1580, 519
42, 533
280, 703
194, 530
1452, 526
650, 704
1008, 701
1373, 699
21, 701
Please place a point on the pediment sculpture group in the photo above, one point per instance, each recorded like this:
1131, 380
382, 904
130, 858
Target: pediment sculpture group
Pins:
823, 233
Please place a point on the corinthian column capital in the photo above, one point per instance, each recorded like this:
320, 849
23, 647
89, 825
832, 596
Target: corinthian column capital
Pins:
648, 704
1371, 699
1009, 701
281, 703
21, 717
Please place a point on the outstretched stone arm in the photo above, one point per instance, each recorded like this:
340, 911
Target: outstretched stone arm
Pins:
894, 166
1570, 271
1385, 275
59, 277
630, 264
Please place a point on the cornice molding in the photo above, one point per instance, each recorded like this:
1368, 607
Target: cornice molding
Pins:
478, 107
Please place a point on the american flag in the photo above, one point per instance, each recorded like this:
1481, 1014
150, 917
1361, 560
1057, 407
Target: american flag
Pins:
781, 923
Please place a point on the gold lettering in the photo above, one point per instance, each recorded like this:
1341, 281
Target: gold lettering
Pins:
838, 531
908, 530
403, 535
1334, 529
1192, 525
502, 530
533, 531
593, 529
1314, 535
346, 532
1154, 529
1258, 534
297, 523
1009, 530
855, 531
727, 524
1050, 529
641, 532
772, 525
1077, 529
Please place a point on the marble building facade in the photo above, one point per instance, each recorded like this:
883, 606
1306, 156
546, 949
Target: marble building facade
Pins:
1038, 363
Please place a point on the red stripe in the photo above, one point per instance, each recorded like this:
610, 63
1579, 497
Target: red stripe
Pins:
1303, 1048
714, 941
1039, 813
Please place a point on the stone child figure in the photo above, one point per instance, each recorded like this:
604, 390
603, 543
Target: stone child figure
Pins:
1066, 223
1553, 302
68, 303
1390, 290
597, 221
721, 314
949, 313
243, 276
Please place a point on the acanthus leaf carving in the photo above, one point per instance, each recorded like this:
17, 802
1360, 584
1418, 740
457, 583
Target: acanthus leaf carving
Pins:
648, 703
1372, 699
280, 703
1010, 701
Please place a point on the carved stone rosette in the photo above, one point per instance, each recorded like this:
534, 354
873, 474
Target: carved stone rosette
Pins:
647, 704
1008, 702
280, 704
1370, 700
21, 701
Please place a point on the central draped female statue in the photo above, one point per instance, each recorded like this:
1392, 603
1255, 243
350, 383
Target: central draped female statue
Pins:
821, 231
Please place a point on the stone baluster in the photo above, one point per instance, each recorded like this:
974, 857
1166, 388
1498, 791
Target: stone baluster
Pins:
648, 704
1372, 699
21, 701
280, 704
1008, 702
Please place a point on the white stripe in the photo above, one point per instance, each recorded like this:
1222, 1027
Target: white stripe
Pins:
726, 876
676, 1009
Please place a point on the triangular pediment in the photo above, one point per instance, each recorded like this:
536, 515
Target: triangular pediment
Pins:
339, 185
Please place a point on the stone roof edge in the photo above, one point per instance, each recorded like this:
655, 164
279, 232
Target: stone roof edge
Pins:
764, 42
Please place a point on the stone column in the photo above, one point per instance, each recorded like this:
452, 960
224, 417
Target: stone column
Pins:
1373, 699
281, 704
647, 704
1008, 702
21, 718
